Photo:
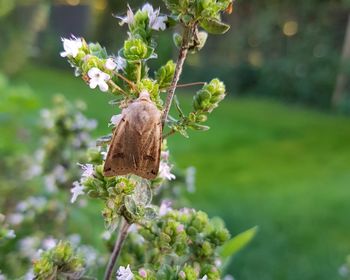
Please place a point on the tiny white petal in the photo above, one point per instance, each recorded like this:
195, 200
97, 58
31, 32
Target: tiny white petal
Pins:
93, 84
71, 46
165, 207
128, 19
105, 76
93, 72
124, 273
147, 8
121, 63
103, 86
77, 190
165, 171
115, 119
110, 64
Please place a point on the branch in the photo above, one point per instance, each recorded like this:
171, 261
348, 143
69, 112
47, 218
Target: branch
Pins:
171, 132
178, 69
123, 232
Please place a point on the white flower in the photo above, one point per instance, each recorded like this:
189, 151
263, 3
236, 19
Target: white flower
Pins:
117, 63
129, 19
124, 273
60, 173
106, 235
164, 155
49, 243
182, 274
74, 239
115, 120
88, 170
90, 255
98, 78
2, 276
156, 22
11, 234
191, 179
15, 219
110, 64
50, 183
165, 207
164, 171
205, 277
228, 277
121, 63
71, 46
28, 246
76, 191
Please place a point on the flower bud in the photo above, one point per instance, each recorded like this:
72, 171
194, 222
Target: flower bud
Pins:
136, 49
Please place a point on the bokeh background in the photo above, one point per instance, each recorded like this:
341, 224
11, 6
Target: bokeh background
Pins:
278, 152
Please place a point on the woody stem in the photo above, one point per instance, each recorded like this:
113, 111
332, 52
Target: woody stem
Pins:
123, 232
178, 69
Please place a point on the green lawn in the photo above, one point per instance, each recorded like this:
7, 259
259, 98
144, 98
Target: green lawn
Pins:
280, 167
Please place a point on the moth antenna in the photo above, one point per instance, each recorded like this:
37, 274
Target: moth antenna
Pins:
190, 84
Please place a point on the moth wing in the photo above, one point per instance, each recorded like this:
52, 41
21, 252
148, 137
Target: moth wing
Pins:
118, 159
150, 145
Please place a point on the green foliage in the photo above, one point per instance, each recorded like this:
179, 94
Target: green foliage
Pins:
165, 74
214, 26
238, 242
270, 157
136, 49
181, 242
204, 102
61, 262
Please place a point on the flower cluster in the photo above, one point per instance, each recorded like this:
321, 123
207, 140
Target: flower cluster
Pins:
205, 12
204, 102
60, 261
162, 243
49, 173
66, 137
180, 242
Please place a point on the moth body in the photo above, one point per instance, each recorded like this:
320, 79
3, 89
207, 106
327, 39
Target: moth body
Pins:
136, 142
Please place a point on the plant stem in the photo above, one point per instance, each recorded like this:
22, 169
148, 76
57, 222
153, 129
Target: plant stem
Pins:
178, 69
171, 132
123, 232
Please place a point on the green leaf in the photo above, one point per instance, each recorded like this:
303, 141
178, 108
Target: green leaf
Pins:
214, 26
238, 242
196, 126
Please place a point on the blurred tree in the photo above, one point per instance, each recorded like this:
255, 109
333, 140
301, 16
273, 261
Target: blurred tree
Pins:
342, 79
20, 23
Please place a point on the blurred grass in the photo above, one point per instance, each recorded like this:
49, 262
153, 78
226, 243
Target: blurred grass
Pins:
285, 169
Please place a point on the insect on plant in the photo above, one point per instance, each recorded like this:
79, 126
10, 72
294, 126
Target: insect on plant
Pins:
176, 243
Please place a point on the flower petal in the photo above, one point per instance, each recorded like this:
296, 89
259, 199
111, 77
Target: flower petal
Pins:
93, 83
93, 72
103, 86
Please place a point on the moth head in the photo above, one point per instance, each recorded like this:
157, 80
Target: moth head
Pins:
144, 95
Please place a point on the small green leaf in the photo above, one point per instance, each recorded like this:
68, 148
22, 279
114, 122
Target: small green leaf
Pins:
177, 38
196, 126
238, 242
214, 26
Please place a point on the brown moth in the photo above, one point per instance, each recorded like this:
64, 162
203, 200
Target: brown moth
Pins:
136, 143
